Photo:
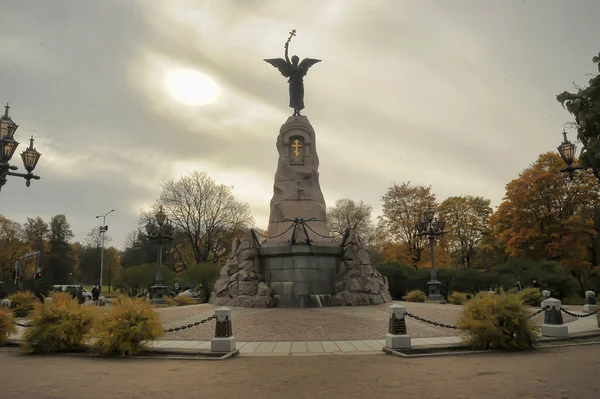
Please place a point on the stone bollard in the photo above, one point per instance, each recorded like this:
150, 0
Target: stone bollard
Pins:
546, 294
553, 322
101, 301
397, 336
591, 305
6, 303
224, 341
47, 299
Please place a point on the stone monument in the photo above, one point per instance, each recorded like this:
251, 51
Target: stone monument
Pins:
299, 264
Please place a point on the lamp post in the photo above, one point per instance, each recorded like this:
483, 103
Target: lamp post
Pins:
432, 228
159, 232
8, 146
103, 230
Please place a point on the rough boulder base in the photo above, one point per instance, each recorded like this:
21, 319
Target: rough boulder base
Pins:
241, 283
359, 283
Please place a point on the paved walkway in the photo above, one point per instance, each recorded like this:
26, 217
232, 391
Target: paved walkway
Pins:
579, 326
326, 324
366, 347
321, 331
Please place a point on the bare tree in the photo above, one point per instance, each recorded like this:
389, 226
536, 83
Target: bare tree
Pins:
94, 238
207, 213
354, 215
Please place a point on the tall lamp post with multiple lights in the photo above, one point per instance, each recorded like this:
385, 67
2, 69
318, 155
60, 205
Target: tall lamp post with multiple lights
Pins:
432, 228
103, 230
159, 232
8, 146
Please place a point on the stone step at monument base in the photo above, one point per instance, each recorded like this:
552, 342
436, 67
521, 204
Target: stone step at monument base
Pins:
302, 301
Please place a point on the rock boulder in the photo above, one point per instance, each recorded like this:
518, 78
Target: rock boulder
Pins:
240, 282
359, 283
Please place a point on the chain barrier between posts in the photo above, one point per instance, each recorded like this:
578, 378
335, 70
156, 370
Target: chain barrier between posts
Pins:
433, 323
190, 325
579, 315
537, 312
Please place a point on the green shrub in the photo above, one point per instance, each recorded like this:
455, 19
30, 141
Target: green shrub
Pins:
7, 325
550, 275
127, 328
132, 280
573, 300
531, 296
414, 296
22, 303
499, 321
180, 300
59, 326
458, 298
403, 278
203, 276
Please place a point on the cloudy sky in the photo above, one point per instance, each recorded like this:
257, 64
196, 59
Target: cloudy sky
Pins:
123, 94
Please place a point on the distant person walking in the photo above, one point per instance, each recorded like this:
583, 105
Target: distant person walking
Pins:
518, 286
95, 294
80, 296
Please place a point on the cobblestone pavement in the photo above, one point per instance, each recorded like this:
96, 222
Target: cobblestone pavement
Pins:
558, 373
326, 324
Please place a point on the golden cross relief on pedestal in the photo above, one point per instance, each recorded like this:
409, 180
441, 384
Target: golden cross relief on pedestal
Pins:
296, 146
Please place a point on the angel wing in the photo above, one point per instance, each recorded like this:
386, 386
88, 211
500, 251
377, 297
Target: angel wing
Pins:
307, 63
284, 67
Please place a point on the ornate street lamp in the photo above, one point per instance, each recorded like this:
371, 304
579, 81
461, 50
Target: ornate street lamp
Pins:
103, 230
159, 232
432, 228
567, 150
8, 146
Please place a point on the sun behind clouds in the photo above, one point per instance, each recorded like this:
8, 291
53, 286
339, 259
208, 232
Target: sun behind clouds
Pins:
191, 87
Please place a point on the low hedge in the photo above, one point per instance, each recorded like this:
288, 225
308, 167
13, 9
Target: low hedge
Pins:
549, 275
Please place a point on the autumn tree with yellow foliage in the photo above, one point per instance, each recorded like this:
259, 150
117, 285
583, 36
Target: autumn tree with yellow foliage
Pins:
544, 215
403, 206
467, 221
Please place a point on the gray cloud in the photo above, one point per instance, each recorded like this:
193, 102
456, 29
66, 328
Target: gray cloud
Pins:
458, 96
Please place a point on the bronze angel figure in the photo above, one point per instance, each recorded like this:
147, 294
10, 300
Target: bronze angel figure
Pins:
295, 72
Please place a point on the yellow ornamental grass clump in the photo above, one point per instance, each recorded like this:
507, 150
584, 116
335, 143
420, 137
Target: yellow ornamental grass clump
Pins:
184, 300
127, 329
414, 296
59, 326
458, 298
170, 301
7, 325
180, 300
22, 303
498, 321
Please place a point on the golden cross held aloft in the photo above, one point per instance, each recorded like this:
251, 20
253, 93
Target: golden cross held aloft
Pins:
292, 34
296, 146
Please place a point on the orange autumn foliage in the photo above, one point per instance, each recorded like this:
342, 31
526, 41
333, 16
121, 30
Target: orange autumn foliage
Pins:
546, 216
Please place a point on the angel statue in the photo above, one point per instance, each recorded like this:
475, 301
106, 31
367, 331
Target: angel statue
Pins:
295, 72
